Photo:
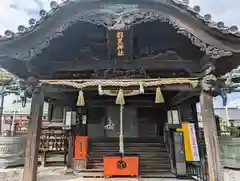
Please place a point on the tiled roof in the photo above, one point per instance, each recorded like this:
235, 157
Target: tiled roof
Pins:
182, 5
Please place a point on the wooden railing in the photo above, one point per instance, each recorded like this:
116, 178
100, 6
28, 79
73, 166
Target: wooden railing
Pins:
197, 171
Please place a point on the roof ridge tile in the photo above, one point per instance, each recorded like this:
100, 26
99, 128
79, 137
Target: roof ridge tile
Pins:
183, 4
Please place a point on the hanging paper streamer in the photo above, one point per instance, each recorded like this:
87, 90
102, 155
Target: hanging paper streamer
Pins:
120, 97
100, 91
159, 96
141, 88
80, 100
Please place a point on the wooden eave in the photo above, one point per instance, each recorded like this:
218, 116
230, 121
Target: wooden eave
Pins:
208, 36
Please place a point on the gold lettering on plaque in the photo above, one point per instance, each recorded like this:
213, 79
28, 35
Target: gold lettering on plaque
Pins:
120, 45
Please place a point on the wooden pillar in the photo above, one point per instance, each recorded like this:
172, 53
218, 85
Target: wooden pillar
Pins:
50, 111
33, 137
70, 152
211, 138
84, 128
70, 139
1, 112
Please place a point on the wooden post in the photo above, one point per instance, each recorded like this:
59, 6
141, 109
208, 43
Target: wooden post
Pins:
84, 128
1, 112
211, 138
70, 150
43, 159
33, 137
50, 111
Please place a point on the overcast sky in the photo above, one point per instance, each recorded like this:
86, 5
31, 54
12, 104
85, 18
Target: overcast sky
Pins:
18, 12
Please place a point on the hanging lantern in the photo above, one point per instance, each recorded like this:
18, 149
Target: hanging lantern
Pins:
120, 97
80, 100
159, 96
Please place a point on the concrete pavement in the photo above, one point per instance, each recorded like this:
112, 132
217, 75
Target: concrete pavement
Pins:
57, 174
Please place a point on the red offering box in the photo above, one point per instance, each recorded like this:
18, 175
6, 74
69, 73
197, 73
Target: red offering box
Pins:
117, 165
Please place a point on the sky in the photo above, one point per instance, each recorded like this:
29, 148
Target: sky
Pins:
17, 12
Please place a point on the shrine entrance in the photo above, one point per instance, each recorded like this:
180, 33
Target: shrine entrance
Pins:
143, 123
112, 127
148, 57
137, 121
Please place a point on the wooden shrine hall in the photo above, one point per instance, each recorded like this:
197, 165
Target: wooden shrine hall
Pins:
124, 77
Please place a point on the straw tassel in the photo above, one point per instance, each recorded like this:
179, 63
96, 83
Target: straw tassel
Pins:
141, 88
80, 100
159, 96
120, 97
100, 91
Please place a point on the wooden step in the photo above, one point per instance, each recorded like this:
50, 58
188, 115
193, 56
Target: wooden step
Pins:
141, 154
128, 140
145, 160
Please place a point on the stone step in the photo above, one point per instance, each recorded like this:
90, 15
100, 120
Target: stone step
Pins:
154, 155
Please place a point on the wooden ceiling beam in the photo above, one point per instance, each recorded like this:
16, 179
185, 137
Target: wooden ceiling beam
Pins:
51, 67
183, 96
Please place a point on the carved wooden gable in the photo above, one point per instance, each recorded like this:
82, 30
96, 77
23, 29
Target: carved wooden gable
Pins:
85, 35
120, 44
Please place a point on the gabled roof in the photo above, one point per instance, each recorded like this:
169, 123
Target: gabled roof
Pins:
213, 38
180, 5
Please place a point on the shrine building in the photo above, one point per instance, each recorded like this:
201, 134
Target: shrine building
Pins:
131, 72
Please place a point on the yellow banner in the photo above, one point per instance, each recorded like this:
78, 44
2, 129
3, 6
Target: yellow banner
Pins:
190, 141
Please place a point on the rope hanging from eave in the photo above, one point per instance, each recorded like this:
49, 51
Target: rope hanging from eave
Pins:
80, 84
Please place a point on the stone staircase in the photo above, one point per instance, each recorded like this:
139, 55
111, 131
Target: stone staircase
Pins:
154, 156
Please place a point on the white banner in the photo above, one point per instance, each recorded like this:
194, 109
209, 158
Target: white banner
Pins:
193, 142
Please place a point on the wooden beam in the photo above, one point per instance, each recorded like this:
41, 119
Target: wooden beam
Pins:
70, 152
147, 63
33, 137
139, 103
183, 96
211, 138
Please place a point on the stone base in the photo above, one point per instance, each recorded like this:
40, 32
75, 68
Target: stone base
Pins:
80, 164
11, 174
68, 171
